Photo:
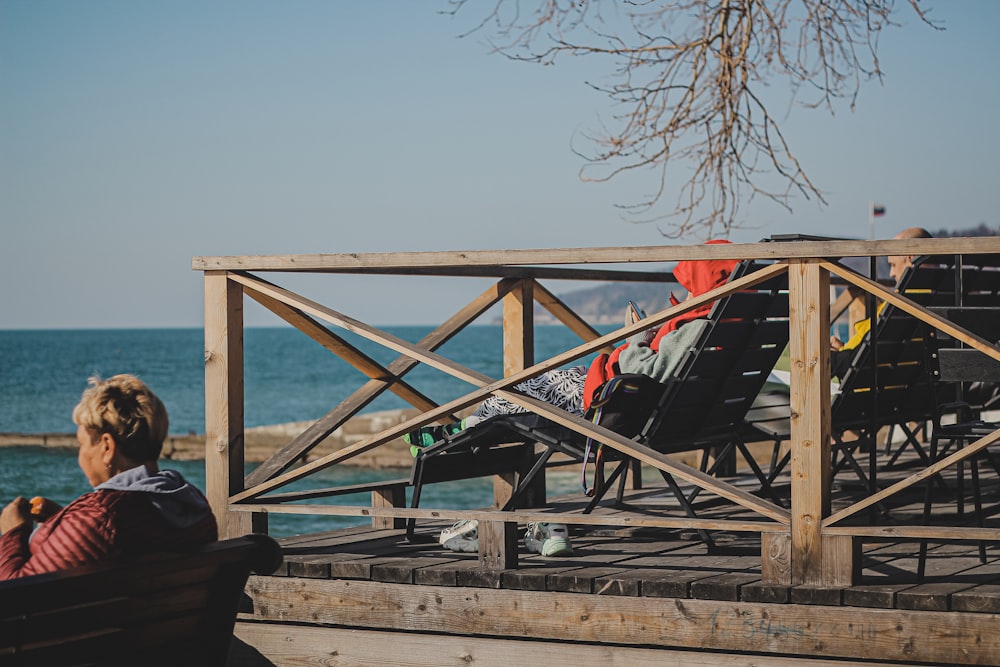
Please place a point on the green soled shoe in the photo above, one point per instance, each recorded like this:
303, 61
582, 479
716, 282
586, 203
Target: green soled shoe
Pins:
548, 539
427, 436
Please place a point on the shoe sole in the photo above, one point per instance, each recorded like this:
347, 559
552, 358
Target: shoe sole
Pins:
462, 545
557, 546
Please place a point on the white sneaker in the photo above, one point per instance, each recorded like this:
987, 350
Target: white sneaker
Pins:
462, 536
548, 539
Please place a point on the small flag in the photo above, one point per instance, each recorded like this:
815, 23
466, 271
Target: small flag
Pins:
878, 210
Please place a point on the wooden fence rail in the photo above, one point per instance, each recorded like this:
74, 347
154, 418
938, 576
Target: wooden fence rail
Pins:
806, 544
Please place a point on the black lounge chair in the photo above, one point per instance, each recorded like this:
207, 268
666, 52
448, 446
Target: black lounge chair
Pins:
887, 381
955, 369
703, 407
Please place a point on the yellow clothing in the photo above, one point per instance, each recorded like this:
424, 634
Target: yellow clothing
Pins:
861, 328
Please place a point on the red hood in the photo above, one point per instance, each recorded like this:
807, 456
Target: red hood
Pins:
698, 276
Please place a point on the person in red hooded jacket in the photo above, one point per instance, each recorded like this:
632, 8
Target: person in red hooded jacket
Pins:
134, 508
656, 353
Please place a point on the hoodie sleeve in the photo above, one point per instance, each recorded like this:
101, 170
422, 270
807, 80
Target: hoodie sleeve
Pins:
661, 365
78, 535
14, 550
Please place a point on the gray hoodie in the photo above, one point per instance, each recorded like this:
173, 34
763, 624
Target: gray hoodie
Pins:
181, 503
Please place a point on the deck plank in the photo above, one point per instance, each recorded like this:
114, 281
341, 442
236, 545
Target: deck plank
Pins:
774, 629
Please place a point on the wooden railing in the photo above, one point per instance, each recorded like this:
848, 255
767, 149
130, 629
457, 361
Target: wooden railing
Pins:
806, 544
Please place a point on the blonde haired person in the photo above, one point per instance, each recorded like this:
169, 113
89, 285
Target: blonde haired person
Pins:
134, 508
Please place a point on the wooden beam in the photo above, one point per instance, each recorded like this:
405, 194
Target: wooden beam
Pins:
841, 564
566, 316
357, 326
459, 371
760, 628
498, 540
398, 261
391, 496
649, 456
809, 347
964, 453
224, 429
285, 457
478, 394
283, 645
915, 532
518, 329
519, 272
344, 350
918, 311
522, 516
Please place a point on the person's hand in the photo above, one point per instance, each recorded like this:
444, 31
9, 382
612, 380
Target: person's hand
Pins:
631, 314
836, 343
16, 513
43, 509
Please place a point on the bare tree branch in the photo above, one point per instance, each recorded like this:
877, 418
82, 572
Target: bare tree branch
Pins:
688, 78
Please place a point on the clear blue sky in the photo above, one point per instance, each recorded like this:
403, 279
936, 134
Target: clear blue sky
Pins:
136, 135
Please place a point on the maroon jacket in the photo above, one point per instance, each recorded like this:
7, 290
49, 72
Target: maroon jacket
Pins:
104, 524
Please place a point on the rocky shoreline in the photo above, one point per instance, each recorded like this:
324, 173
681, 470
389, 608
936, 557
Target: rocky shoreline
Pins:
261, 441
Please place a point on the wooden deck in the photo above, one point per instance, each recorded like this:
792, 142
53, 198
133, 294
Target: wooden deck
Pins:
628, 596
830, 576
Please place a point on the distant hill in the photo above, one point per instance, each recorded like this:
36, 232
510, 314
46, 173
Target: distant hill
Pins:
982, 230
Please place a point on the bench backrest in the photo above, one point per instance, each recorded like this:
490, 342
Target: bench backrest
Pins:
174, 609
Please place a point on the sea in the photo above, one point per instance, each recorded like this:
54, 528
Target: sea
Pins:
288, 378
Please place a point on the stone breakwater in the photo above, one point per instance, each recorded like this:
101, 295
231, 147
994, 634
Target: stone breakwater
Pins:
262, 441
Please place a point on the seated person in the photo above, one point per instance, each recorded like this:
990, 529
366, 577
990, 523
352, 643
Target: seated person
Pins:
841, 352
653, 353
134, 508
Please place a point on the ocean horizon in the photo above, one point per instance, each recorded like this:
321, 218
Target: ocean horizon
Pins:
287, 376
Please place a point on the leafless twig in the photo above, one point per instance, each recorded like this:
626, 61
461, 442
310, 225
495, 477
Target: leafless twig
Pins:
689, 79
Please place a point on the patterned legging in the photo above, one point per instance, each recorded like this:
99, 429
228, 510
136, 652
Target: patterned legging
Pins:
562, 387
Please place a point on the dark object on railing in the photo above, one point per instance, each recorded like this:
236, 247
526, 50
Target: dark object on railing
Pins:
175, 609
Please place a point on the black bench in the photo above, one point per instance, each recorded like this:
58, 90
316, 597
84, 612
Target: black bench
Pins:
174, 609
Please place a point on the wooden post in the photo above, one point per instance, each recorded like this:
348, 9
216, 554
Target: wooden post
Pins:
812, 561
224, 401
841, 560
392, 496
518, 329
497, 545
518, 354
498, 539
775, 549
